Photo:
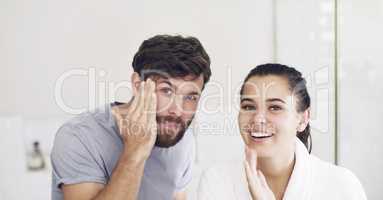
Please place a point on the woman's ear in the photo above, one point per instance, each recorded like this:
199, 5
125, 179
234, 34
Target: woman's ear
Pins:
305, 117
136, 80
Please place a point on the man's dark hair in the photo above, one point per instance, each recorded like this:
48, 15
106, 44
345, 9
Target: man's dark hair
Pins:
174, 56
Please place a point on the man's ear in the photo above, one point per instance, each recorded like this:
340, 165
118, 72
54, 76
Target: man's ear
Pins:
305, 117
136, 80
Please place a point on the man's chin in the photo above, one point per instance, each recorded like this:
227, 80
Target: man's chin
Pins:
170, 132
166, 140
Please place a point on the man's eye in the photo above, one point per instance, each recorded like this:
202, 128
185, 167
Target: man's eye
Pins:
275, 108
248, 107
166, 91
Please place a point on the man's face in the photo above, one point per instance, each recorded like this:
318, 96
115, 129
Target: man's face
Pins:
177, 102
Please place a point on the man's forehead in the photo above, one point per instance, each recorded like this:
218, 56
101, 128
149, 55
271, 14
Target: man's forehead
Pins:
188, 81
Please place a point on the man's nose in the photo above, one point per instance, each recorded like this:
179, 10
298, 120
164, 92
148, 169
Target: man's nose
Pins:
175, 107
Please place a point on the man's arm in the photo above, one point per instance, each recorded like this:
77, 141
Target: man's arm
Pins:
180, 195
124, 183
138, 128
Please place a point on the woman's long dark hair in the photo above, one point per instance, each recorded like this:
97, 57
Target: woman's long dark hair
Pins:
297, 85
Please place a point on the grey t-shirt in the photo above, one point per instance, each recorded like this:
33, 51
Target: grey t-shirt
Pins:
87, 148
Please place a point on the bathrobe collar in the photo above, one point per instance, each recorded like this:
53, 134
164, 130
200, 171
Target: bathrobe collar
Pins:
300, 184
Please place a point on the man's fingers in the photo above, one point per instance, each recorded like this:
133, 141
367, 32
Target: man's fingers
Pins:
135, 100
152, 110
133, 105
148, 97
137, 111
121, 122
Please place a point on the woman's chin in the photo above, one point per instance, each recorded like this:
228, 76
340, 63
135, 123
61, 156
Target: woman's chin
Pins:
263, 151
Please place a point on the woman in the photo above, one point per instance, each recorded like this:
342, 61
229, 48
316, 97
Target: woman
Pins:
274, 125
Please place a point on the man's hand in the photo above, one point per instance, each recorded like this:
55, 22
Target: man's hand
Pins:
137, 123
180, 195
258, 187
138, 128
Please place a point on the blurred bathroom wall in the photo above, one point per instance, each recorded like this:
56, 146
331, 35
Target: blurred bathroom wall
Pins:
305, 40
89, 46
360, 48
60, 58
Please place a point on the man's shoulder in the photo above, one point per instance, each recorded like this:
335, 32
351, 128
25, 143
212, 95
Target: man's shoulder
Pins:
87, 122
93, 129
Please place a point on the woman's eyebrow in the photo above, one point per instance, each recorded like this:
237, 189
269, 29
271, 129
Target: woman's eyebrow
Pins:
246, 99
194, 93
275, 99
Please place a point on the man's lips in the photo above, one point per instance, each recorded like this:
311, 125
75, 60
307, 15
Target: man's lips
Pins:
169, 125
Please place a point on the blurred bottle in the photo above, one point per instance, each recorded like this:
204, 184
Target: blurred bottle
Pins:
35, 158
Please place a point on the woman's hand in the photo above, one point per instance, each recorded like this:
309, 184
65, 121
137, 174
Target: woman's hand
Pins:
258, 187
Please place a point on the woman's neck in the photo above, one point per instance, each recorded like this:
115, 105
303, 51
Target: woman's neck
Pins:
277, 171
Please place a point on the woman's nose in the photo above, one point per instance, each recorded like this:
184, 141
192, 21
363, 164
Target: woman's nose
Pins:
260, 117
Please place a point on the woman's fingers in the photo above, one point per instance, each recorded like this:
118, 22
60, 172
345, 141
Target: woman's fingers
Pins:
262, 179
254, 184
251, 157
258, 187
249, 174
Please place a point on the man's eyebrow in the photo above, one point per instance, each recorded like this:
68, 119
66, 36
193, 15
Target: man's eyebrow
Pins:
166, 82
275, 99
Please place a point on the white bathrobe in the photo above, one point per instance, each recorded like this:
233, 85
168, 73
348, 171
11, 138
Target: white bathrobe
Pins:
311, 179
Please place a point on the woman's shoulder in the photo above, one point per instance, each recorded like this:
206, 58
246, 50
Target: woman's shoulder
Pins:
335, 172
334, 179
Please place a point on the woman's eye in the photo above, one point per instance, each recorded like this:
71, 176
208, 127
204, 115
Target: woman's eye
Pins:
275, 108
191, 97
248, 107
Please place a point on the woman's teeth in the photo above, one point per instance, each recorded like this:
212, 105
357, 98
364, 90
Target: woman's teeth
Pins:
260, 135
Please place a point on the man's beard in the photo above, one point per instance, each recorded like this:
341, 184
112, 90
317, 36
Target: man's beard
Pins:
166, 137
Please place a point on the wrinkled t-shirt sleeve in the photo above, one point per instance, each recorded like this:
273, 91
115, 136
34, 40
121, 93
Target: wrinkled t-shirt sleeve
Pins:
72, 160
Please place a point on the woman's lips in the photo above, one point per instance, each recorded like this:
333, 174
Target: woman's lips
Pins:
260, 136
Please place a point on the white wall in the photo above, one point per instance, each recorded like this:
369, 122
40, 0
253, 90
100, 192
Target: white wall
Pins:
361, 91
41, 40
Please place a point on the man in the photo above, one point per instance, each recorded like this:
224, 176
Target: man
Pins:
140, 149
